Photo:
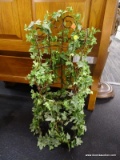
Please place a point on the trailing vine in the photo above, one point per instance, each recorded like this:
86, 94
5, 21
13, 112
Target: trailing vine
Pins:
59, 48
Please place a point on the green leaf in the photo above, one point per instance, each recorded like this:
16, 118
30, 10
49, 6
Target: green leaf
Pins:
56, 15
64, 116
25, 27
38, 22
70, 9
68, 63
79, 27
47, 105
30, 25
78, 141
68, 136
46, 26
51, 119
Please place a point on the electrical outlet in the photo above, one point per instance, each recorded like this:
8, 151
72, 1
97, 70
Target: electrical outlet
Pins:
91, 60
76, 58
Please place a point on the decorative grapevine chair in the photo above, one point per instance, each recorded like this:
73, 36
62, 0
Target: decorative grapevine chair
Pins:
59, 48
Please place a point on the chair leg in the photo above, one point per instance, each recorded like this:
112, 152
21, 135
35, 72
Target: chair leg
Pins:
92, 97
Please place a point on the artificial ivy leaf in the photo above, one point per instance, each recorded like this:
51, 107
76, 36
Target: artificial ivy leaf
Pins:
74, 128
28, 37
63, 56
79, 27
31, 25
77, 16
51, 119
38, 22
78, 141
68, 63
25, 27
70, 9
80, 64
64, 116
47, 105
56, 15
68, 136
46, 26
33, 55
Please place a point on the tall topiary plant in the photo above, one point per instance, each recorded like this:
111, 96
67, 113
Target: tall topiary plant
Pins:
59, 48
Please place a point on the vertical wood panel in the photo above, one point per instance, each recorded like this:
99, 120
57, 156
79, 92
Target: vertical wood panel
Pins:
96, 18
25, 14
79, 6
82, 7
14, 14
16, 21
97, 13
40, 10
9, 21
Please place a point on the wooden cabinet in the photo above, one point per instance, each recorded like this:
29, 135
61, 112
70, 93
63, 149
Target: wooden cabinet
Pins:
15, 63
13, 16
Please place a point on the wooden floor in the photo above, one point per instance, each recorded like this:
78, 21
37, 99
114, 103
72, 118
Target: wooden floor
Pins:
111, 72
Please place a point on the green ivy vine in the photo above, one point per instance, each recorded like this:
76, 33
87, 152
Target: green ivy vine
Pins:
58, 116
